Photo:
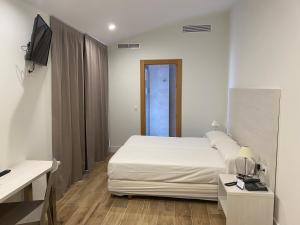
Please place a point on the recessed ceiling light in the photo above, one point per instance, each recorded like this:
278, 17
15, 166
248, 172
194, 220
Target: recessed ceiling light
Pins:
111, 27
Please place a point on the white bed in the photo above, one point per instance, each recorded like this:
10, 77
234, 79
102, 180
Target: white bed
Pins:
172, 167
189, 167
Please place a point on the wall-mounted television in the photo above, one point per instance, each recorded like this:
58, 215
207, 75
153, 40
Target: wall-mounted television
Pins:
39, 46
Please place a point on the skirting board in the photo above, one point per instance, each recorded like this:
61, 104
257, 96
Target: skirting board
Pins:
114, 149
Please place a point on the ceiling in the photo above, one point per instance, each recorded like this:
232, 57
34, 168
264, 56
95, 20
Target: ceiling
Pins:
130, 16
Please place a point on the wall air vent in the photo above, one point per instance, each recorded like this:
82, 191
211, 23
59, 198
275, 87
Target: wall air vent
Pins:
196, 28
130, 46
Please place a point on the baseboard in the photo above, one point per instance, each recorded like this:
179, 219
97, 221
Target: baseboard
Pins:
275, 221
114, 149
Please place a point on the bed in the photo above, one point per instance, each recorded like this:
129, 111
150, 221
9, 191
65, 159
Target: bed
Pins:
189, 167
166, 166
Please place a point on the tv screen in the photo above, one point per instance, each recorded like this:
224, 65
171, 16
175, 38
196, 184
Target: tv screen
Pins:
38, 48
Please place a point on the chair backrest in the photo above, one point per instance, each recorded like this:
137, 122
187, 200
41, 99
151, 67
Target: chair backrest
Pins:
50, 184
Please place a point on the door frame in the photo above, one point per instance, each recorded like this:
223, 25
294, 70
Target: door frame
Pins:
178, 63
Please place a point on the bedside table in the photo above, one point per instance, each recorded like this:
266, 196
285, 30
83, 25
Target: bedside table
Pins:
242, 207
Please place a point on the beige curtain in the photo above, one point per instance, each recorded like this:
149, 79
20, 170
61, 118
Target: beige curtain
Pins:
68, 114
96, 100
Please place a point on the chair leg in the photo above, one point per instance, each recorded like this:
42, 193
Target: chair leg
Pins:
54, 212
50, 220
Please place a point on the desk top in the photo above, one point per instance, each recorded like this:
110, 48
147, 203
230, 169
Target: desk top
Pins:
21, 176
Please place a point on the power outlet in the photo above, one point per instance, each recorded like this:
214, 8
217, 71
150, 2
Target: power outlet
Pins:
263, 169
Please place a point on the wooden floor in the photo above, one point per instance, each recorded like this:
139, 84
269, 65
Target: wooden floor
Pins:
88, 202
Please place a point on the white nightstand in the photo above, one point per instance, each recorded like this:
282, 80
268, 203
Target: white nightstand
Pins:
242, 207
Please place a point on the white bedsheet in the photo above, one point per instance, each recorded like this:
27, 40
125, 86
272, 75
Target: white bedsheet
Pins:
170, 160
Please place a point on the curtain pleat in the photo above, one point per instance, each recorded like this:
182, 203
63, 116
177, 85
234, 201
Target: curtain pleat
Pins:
68, 114
96, 100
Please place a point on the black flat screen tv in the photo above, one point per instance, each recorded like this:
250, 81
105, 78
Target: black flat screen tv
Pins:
39, 46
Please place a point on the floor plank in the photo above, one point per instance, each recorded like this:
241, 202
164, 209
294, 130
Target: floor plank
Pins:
101, 211
199, 213
166, 213
217, 219
66, 211
150, 213
116, 212
88, 202
134, 212
183, 213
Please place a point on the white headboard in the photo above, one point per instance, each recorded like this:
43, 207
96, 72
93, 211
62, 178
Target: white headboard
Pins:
253, 120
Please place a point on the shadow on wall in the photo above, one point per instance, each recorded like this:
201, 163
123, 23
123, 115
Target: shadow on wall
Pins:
24, 114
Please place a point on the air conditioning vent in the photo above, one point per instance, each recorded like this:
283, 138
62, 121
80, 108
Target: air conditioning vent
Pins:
196, 28
130, 46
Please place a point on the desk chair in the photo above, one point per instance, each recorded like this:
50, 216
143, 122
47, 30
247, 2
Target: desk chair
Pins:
31, 212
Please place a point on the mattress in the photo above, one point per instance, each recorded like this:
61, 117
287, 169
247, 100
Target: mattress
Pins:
168, 160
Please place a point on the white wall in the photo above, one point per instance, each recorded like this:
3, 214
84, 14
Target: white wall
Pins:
25, 103
265, 53
205, 62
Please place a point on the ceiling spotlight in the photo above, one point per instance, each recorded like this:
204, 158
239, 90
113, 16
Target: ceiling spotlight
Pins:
111, 27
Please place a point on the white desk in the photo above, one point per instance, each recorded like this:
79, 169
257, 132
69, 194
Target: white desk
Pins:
21, 177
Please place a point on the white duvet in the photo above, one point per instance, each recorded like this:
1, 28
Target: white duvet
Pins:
170, 160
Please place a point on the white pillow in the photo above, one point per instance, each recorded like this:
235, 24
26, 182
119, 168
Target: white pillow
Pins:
229, 151
216, 136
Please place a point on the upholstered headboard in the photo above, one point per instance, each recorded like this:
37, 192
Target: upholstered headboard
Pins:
253, 120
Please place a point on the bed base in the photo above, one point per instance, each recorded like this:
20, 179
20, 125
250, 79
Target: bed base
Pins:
207, 192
